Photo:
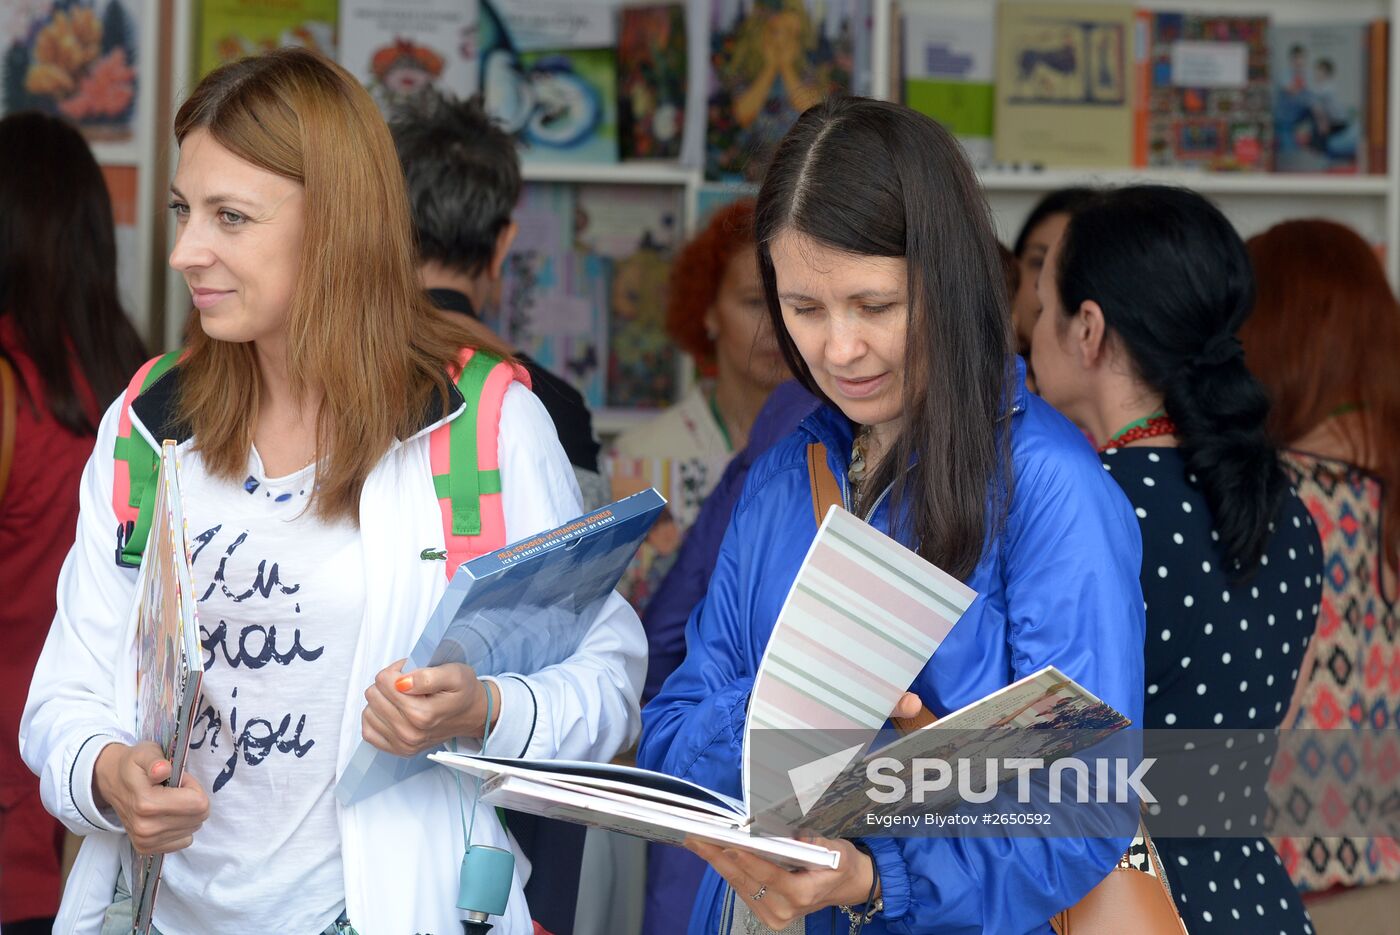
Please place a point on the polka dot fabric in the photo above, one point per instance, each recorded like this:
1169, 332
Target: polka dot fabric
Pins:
1220, 655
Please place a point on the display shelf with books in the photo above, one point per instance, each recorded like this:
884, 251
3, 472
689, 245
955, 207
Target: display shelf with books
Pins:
1274, 108
1215, 183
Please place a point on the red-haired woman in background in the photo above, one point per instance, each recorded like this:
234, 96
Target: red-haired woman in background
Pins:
1324, 338
67, 345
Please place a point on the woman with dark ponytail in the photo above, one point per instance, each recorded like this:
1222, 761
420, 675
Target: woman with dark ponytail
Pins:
1142, 296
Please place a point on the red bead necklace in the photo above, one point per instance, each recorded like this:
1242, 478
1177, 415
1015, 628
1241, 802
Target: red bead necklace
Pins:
1153, 426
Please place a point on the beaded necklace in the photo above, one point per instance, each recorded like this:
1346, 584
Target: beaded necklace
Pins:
1151, 426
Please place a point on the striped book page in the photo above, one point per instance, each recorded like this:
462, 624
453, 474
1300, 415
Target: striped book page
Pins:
862, 619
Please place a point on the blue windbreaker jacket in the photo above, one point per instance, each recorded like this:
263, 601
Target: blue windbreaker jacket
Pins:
1059, 586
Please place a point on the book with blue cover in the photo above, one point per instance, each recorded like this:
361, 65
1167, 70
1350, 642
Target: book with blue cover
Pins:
517, 610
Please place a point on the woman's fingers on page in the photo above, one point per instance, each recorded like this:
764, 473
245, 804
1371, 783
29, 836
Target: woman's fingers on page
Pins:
908, 705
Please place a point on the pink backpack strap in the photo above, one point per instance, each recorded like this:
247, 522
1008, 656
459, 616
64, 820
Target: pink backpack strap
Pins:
132, 487
465, 455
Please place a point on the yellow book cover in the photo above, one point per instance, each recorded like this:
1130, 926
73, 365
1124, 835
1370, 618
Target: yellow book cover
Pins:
1065, 84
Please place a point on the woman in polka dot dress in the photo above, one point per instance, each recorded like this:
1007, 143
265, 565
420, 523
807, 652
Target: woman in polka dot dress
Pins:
1141, 296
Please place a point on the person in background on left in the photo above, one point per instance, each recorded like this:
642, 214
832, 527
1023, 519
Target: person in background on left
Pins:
67, 345
463, 173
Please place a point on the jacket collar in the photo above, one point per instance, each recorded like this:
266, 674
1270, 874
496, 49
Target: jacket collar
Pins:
450, 300
154, 411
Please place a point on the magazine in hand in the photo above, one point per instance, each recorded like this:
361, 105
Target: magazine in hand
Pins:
518, 610
169, 663
818, 680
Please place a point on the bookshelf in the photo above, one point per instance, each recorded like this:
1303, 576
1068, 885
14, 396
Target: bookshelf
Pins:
1369, 203
1252, 201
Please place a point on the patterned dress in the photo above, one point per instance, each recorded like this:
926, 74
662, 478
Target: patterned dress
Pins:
1354, 683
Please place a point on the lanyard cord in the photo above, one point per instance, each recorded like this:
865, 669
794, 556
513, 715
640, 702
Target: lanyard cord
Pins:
461, 793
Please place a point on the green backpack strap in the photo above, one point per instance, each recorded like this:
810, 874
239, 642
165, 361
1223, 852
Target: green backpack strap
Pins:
465, 482
134, 510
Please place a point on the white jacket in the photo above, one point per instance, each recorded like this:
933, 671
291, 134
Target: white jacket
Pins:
401, 849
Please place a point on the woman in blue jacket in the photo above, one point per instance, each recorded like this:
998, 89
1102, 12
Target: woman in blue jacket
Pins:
883, 280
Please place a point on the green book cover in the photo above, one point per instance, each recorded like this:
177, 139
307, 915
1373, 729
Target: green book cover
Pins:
231, 29
949, 71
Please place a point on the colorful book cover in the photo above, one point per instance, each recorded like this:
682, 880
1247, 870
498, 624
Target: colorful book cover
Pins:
1064, 84
554, 301
769, 61
1320, 88
549, 74
230, 29
76, 59
1209, 105
169, 659
575, 114
521, 609
400, 50
950, 72
638, 229
651, 81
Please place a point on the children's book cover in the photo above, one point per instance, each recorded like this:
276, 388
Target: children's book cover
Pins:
637, 228
554, 299
770, 60
400, 50
1320, 78
230, 29
1209, 104
950, 70
76, 59
549, 73
651, 81
1064, 85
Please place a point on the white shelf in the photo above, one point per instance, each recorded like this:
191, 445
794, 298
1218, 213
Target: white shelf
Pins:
1242, 183
619, 173
617, 421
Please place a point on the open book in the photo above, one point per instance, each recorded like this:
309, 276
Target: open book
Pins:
817, 676
518, 610
861, 620
169, 663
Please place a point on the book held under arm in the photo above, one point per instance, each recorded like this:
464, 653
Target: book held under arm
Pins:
169, 662
517, 611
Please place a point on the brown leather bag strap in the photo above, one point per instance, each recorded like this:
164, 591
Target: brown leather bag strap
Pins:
9, 415
826, 491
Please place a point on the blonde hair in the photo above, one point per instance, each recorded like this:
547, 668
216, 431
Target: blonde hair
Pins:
361, 332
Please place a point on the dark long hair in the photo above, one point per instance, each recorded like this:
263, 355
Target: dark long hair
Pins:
1174, 282
58, 268
876, 179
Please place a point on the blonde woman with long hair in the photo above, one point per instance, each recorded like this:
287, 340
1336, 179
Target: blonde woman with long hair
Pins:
314, 374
